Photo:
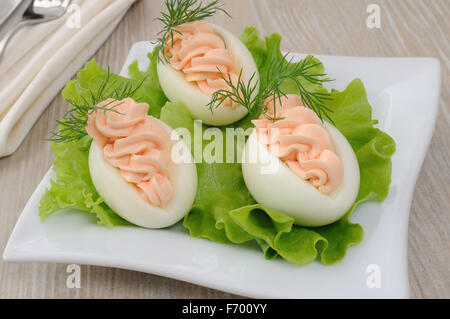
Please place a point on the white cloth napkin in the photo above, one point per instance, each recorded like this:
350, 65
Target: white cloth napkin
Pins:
40, 59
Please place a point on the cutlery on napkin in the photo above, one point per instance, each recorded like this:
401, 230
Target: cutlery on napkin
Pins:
37, 11
40, 59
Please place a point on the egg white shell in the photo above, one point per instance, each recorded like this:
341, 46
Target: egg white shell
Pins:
125, 200
283, 190
176, 88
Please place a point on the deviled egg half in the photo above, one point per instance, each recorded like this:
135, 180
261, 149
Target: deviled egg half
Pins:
198, 55
300, 166
131, 165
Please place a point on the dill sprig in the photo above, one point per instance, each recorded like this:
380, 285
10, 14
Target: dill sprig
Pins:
73, 125
280, 70
178, 13
240, 92
284, 70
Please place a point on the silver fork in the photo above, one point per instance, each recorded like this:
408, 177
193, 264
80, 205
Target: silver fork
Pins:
38, 11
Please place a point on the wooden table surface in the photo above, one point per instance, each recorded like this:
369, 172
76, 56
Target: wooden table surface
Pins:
409, 28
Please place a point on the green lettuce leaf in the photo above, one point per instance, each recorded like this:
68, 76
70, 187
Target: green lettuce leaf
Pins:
221, 186
73, 186
224, 210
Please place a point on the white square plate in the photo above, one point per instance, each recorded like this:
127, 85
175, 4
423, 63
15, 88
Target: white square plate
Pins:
404, 93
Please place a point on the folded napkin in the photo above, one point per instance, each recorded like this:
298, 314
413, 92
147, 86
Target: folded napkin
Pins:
40, 59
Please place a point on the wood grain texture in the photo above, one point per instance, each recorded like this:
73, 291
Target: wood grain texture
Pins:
336, 27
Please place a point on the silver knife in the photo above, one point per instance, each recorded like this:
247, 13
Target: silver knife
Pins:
6, 8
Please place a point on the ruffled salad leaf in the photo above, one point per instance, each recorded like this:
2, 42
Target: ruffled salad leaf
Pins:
224, 210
